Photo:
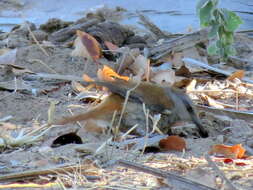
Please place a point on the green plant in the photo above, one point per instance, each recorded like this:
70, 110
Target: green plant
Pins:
222, 23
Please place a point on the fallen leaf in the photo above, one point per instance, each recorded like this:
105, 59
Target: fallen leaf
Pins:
108, 74
235, 151
140, 67
183, 71
191, 86
237, 74
212, 102
181, 82
172, 143
111, 46
86, 46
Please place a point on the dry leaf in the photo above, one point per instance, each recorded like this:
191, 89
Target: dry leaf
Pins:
108, 74
183, 71
172, 143
238, 74
86, 46
111, 46
181, 82
140, 67
192, 86
236, 151
212, 102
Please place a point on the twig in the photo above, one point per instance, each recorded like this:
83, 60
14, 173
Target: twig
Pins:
36, 41
151, 27
6, 118
206, 66
175, 180
44, 64
146, 113
234, 114
55, 77
45, 171
219, 172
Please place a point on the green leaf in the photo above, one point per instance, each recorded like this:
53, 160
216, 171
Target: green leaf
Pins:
214, 30
201, 4
212, 49
206, 14
232, 21
229, 38
219, 43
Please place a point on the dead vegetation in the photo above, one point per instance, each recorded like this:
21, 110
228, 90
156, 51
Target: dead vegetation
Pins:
49, 73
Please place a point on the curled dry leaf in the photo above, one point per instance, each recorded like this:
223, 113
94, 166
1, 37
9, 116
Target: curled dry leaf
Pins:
86, 46
238, 74
235, 151
172, 143
108, 74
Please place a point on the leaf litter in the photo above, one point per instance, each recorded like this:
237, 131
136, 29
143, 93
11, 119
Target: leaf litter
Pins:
27, 138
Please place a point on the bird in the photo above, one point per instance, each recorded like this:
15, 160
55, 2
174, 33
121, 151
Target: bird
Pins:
160, 99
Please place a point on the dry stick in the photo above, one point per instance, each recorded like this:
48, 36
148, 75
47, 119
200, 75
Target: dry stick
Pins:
66, 33
219, 172
49, 170
44, 64
174, 179
56, 77
209, 67
36, 41
151, 27
237, 99
146, 113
